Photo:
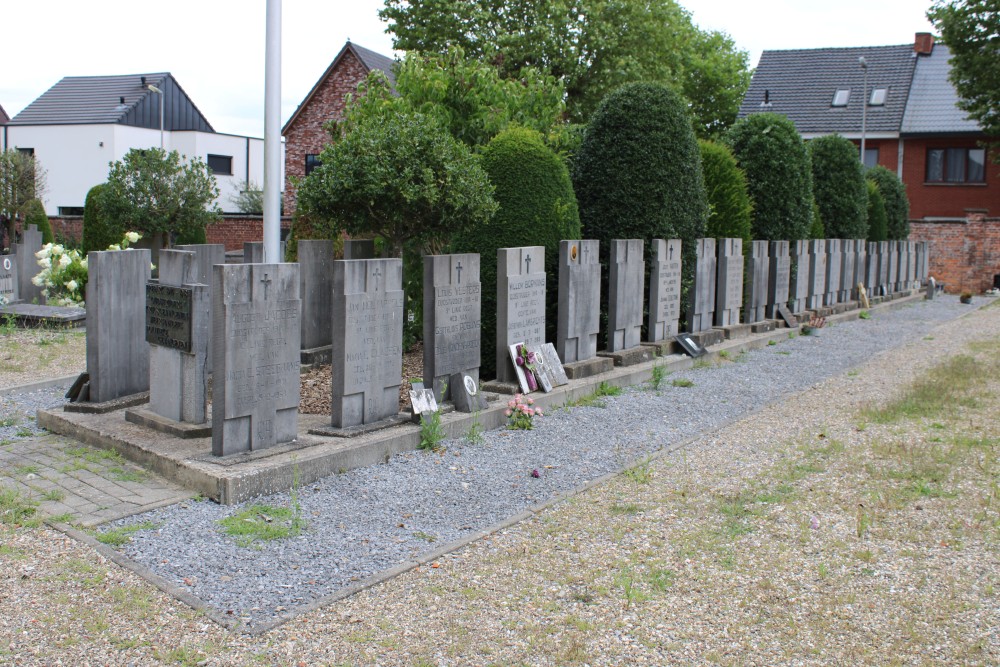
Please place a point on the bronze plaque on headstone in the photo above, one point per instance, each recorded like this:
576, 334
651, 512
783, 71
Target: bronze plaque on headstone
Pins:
168, 316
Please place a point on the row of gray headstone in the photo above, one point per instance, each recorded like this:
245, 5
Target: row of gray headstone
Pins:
18, 268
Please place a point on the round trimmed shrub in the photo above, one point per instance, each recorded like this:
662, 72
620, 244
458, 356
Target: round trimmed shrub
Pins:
537, 207
816, 230
839, 187
98, 231
729, 206
877, 224
897, 205
779, 178
34, 214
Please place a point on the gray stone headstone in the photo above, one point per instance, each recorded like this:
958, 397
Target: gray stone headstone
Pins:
883, 268
520, 303
452, 319
729, 284
911, 264
316, 291
778, 277
756, 284
817, 273
117, 352
9, 288
255, 389
578, 318
367, 340
664, 290
892, 281
359, 249
834, 264
253, 252
465, 393
848, 255
626, 274
177, 375
798, 288
701, 308
924, 264
871, 268
27, 265
860, 267
206, 256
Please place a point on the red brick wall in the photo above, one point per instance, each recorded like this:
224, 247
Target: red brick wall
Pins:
940, 200
963, 255
888, 152
232, 230
306, 135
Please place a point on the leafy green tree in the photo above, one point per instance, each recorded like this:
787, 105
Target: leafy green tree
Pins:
594, 46
400, 175
98, 231
537, 207
816, 228
897, 205
154, 192
779, 177
876, 213
21, 180
248, 199
34, 214
726, 188
839, 187
970, 28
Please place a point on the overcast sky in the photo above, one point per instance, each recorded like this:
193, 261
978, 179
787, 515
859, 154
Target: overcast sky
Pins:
215, 48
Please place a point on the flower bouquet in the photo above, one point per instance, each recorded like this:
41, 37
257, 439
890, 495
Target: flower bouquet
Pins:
521, 412
526, 360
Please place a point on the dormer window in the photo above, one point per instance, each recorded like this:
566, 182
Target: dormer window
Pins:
841, 97
878, 97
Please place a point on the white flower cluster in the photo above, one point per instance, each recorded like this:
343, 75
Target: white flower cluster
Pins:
64, 272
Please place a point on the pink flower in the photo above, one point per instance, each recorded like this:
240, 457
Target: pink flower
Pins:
508, 412
531, 401
530, 412
539, 412
510, 404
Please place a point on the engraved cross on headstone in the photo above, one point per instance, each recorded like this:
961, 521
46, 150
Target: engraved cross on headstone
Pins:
670, 252
376, 274
458, 270
267, 283
527, 263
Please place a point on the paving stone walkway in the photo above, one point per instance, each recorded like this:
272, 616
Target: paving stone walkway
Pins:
79, 484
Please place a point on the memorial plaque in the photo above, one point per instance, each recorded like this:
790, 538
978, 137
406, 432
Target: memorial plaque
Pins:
817, 273
664, 290
729, 284
579, 313
701, 309
554, 367
423, 401
255, 392
756, 283
520, 303
367, 340
542, 373
8, 279
168, 316
465, 393
778, 277
452, 319
790, 320
798, 288
625, 292
690, 345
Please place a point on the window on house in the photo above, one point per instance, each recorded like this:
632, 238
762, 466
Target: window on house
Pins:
312, 162
841, 97
26, 151
871, 157
956, 165
70, 210
221, 164
878, 97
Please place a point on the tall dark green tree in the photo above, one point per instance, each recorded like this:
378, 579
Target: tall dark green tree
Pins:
839, 187
726, 187
593, 46
876, 213
971, 29
897, 205
779, 176
34, 214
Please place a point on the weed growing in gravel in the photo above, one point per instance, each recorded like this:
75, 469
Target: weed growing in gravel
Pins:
65, 517
8, 324
8, 421
116, 537
641, 473
426, 537
656, 376
474, 436
864, 315
24, 432
431, 433
627, 508
701, 363
682, 382
605, 389
261, 523
16, 510
772, 343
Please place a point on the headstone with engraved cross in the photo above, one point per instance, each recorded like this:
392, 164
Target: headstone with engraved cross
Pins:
452, 320
255, 391
520, 303
664, 290
701, 309
625, 291
798, 288
892, 280
758, 269
729, 283
833, 266
817, 273
860, 267
778, 277
848, 255
367, 340
578, 318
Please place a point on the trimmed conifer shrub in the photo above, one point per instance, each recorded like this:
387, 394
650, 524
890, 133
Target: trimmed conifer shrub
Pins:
839, 187
816, 230
729, 206
98, 231
770, 152
34, 214
537, 207
897, 205
876, 213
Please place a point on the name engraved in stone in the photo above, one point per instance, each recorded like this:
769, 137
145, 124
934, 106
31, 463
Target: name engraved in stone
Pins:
457, 327
372, 349
526, 308
267, 370
669, 302
168, 316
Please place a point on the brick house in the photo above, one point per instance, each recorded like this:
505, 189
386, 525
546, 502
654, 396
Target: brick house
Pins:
912, 126
304, 133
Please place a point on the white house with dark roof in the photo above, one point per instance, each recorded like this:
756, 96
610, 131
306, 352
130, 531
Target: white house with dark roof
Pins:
83, 123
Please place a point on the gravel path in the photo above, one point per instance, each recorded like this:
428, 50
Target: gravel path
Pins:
371, 519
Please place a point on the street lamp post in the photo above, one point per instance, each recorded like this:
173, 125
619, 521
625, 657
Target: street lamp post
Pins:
864, 106
160, 93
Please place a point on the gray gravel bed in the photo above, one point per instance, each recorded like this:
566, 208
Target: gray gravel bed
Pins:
371, 519
17, 412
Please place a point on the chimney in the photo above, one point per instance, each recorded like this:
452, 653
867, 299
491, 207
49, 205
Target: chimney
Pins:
923, 44
143, 80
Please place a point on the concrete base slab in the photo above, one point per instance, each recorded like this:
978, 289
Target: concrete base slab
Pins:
709, 337
87, 407
577, 370
498, 387
30, 314
734, 331
149, 419
630, 357
362, 429
316, 356
763, 326
662, 348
